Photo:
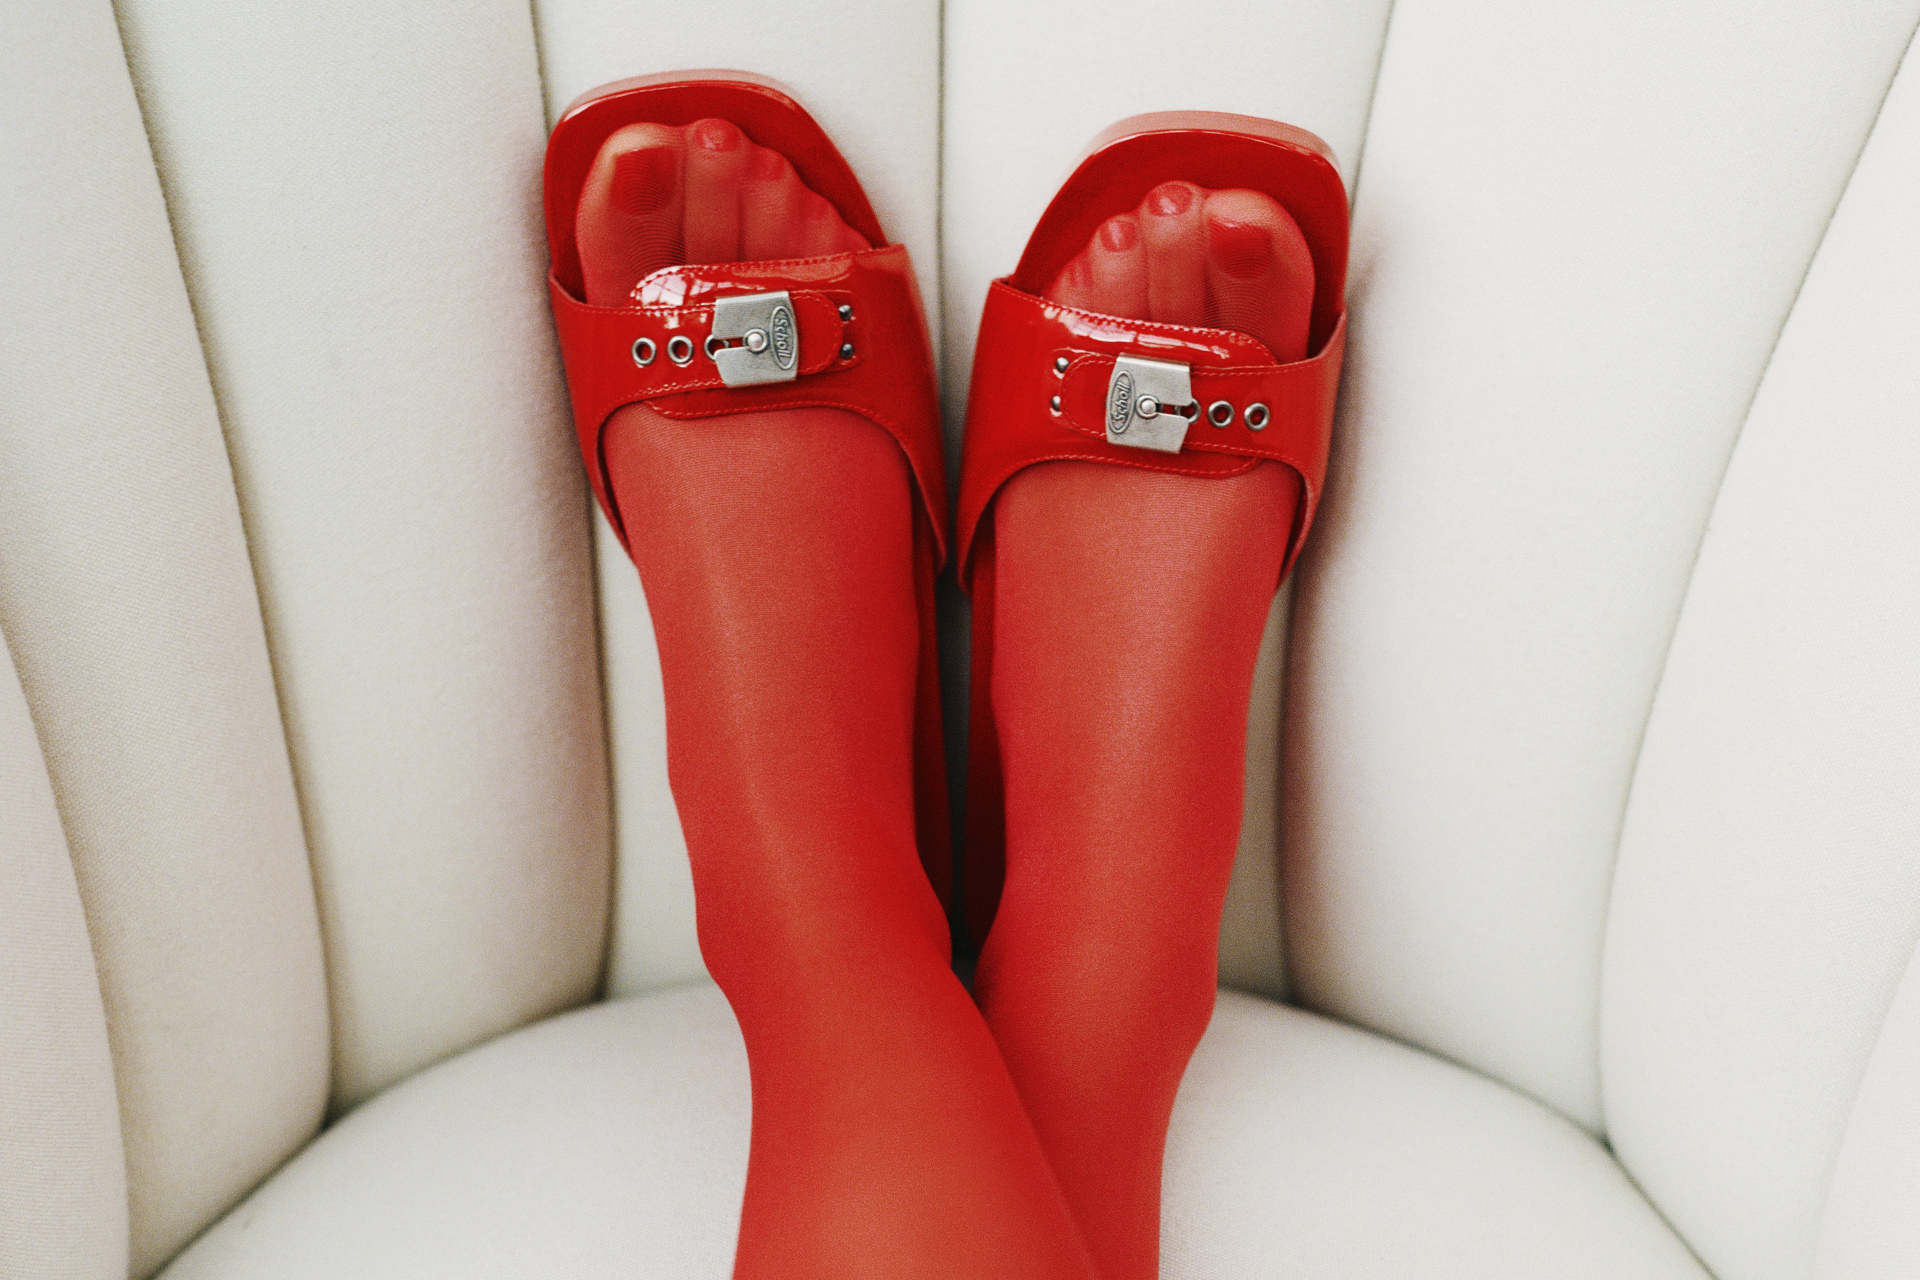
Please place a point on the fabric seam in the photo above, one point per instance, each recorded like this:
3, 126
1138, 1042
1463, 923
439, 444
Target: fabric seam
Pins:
1653, 699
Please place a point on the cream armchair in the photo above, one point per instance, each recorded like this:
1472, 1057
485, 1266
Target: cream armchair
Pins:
344, 924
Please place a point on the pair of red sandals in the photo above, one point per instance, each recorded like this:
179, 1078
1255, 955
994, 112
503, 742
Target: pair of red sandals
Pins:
1050, 382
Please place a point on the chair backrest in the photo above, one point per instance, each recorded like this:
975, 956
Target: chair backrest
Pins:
1602, 707
1604, 714
1602, 700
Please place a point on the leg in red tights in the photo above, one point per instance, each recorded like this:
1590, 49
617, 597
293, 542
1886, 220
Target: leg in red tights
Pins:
1128, 612
776, 552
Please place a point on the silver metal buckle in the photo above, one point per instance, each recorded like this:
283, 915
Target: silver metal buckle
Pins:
767, 337
1150, 404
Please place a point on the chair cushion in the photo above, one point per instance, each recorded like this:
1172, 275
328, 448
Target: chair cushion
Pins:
1304, 1147
612, 1141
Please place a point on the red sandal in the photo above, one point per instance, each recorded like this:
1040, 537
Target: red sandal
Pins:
843, 331
1053, 382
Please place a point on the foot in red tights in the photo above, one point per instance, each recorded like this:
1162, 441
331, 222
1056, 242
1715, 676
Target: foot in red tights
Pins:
776, 553
1129, 609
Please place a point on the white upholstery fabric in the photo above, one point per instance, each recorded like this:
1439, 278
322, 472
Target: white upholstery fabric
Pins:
871, 76
1768, 894
1301, 1147
1870, 1230
355, 191
127, 598
1577, 232
653, 940
612, 1142
1520, 644
63, 1183
609, 1142
1251, 956
1027, 86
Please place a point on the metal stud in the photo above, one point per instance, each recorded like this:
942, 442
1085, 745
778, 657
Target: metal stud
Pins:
1054, 404
846, 351
1257, 416
846, 311
643, 352
1219, 413
680, 348
1059, 366
754, 340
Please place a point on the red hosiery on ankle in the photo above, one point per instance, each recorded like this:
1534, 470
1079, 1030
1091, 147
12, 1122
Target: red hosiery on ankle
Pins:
777, 554
1122, 668
887, 1137
1128, 610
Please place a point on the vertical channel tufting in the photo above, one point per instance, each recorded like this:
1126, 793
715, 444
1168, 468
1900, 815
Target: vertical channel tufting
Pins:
1767, 899
1869, 1230
1027, 86
127, 598
871, 75
355, 193
63, 1180
1579, 230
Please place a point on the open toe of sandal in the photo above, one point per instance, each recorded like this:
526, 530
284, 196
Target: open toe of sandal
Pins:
1054, 382
841, 331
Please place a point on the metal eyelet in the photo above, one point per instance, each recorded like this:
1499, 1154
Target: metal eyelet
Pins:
680, 349
1257, 417
846, 311
1059, 366
1220, 413
846, 351
713, 345
643, 352
1054, 405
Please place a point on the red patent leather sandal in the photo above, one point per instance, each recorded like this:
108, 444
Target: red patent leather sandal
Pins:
843, 331
1053, 382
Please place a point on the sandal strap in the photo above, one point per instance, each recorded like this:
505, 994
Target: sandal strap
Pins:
651, 370
1053, 382
857, 335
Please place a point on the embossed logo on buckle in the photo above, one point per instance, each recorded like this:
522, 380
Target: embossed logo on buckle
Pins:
785, 339
1150, 404
755, 339
1119, 403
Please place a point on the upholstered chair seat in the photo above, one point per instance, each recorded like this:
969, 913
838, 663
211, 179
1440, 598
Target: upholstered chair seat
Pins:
612, 1141
345, 923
